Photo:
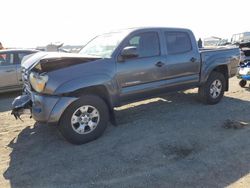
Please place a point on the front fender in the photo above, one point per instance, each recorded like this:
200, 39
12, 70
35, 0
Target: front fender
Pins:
83, 82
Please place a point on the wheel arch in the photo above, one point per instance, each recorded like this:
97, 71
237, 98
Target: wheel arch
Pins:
223, 69
98, 90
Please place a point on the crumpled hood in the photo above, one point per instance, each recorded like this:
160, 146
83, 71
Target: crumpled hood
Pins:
30, 60
50, 61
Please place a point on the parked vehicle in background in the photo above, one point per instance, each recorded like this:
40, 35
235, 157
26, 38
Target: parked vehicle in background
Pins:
10, 69
245, 48
211, 41
244, 73
80, 91
240, 38
243, 41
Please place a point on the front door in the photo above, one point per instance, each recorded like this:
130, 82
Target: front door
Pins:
137, 75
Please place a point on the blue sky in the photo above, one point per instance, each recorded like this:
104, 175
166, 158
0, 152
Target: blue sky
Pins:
29, 23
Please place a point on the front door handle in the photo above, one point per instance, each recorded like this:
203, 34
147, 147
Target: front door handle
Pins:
193, 59
159, 64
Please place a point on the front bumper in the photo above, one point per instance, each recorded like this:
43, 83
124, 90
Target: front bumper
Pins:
21, 105
45, 108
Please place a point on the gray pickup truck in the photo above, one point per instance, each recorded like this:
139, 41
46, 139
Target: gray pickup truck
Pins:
79, 91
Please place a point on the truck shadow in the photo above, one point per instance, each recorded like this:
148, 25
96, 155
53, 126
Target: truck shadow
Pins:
156, 142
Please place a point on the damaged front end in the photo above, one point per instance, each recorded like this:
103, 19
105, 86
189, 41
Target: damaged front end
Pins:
40, 83
21, 105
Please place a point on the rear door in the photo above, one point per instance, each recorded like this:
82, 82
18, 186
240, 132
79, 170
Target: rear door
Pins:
182, 59
8, 76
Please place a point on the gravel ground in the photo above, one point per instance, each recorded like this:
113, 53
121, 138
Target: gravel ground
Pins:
172, 141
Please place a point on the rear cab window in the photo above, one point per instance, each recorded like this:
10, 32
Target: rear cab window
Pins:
177, 42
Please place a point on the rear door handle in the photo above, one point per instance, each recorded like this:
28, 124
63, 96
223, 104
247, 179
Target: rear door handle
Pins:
159, 64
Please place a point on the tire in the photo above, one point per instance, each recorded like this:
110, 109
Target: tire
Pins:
210, 93
243, 83
84, 120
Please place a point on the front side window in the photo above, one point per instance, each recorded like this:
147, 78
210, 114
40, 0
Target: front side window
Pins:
147, 44
178, 42
6, 59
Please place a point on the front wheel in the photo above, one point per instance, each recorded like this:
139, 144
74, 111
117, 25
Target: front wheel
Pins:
84, 120
213, 90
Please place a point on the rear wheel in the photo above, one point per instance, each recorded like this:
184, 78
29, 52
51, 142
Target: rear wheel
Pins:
213, 90
84, 120
243, 83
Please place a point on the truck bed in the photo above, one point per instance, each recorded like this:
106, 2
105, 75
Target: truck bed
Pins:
222, 55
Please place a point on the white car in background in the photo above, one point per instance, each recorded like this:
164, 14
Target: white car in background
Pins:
10, 68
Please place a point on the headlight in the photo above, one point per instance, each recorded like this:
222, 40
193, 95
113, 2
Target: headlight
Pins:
38, 82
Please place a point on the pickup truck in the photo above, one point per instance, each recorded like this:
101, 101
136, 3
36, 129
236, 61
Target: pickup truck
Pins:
78, 92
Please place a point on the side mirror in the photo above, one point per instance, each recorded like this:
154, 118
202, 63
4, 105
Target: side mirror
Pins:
129, 52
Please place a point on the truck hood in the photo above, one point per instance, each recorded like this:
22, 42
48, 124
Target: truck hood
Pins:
49, 61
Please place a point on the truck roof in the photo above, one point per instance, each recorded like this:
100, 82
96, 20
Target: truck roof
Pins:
149, 28
174, 28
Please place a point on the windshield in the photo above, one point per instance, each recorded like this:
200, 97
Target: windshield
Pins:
104, 45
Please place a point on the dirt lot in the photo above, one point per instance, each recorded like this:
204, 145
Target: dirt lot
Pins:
173, 141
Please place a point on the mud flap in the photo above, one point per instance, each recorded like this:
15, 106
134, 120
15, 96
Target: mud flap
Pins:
21, 105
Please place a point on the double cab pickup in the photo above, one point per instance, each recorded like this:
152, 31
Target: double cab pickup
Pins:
78, 92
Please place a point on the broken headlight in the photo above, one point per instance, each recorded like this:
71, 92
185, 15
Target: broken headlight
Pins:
38, 81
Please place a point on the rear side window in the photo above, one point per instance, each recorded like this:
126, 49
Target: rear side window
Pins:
178, 42
147, 44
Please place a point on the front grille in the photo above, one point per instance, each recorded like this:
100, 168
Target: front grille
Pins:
25, 77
